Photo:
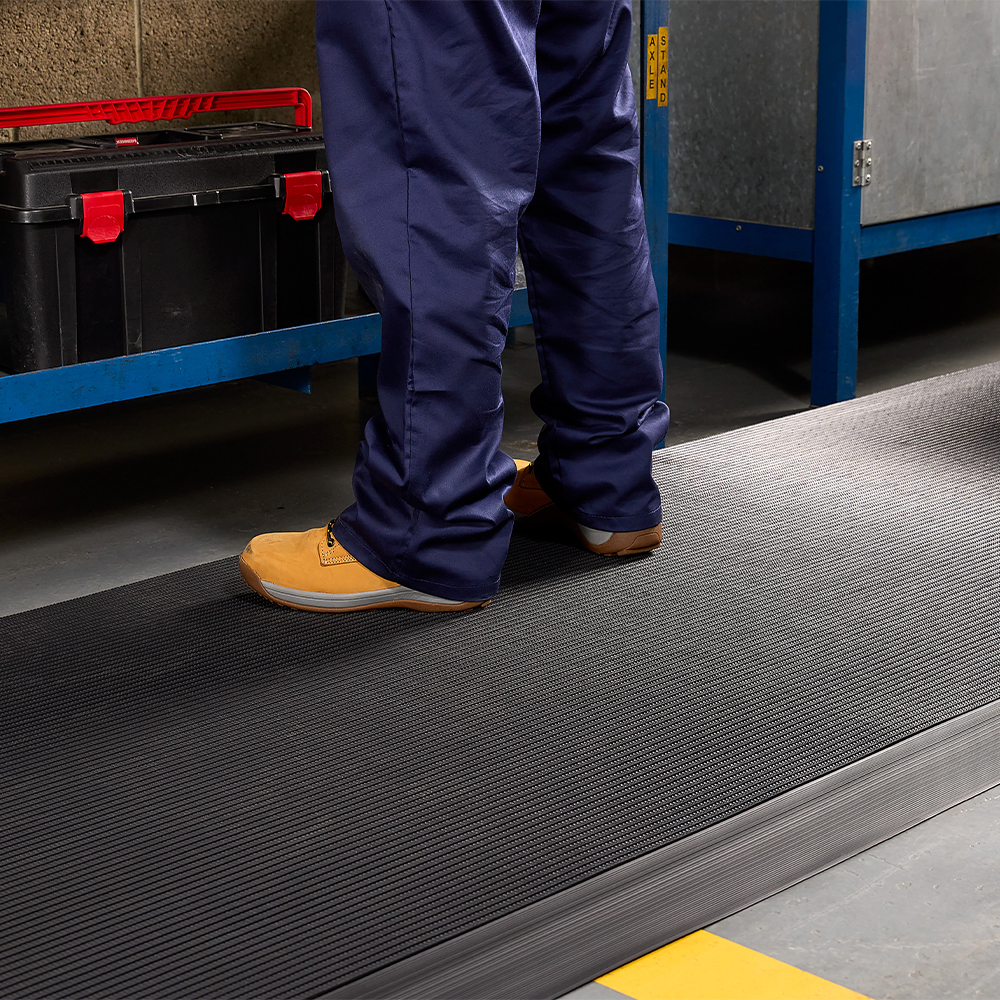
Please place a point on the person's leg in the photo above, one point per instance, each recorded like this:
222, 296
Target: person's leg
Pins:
431, 122
583, 239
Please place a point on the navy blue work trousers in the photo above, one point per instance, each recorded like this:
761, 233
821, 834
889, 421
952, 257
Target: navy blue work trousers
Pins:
456, 133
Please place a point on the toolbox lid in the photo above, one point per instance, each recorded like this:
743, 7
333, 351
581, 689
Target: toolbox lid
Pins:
42, 180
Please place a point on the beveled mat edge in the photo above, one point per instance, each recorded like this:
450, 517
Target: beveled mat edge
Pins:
570, 938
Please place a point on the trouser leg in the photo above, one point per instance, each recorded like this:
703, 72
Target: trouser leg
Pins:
590, 286
431, 122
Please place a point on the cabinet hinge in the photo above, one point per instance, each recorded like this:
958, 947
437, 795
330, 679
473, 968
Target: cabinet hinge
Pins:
862, 163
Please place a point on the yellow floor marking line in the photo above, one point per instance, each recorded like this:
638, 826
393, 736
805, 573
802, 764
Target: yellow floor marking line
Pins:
704, 966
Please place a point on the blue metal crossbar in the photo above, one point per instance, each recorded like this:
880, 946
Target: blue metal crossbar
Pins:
792, 243
741, 237
520, 312
56, 390
929, 231
73, 387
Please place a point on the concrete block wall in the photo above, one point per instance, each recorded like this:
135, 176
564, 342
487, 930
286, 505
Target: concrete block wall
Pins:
57, 51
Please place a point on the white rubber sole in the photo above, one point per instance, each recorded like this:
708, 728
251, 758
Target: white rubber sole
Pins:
341, 602
391, 597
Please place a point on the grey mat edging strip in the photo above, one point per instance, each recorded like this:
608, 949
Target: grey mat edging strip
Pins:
548, 948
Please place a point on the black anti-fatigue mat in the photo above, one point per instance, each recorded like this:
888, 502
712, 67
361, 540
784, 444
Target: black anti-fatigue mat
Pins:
204, 795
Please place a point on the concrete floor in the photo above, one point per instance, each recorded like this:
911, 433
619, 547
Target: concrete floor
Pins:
917, 916
101, 497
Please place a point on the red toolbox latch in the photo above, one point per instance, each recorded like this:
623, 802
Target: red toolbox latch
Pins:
303, 194
103, 215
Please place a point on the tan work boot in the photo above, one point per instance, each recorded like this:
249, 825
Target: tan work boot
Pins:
534, 510
312, 571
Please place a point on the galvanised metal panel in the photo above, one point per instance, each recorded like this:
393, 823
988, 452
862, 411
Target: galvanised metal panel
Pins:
636, 55
743, 109
932, 107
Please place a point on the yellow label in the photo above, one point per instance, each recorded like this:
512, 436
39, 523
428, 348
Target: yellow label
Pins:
650, 67
661, 68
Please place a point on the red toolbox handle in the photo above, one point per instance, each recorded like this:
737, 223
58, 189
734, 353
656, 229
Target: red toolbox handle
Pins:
151, 109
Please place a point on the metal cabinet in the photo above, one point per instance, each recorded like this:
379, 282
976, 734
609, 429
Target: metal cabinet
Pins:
831, 131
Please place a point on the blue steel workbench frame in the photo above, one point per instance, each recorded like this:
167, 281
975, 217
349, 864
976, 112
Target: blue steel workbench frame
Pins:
286, 356
281, 356
835, 246
838, 242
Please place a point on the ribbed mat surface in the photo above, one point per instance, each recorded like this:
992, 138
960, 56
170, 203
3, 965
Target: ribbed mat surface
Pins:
204, 795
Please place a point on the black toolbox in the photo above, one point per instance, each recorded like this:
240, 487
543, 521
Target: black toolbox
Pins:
116, 244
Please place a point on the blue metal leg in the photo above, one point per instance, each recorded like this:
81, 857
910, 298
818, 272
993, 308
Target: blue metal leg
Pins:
655, 158
837, 235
